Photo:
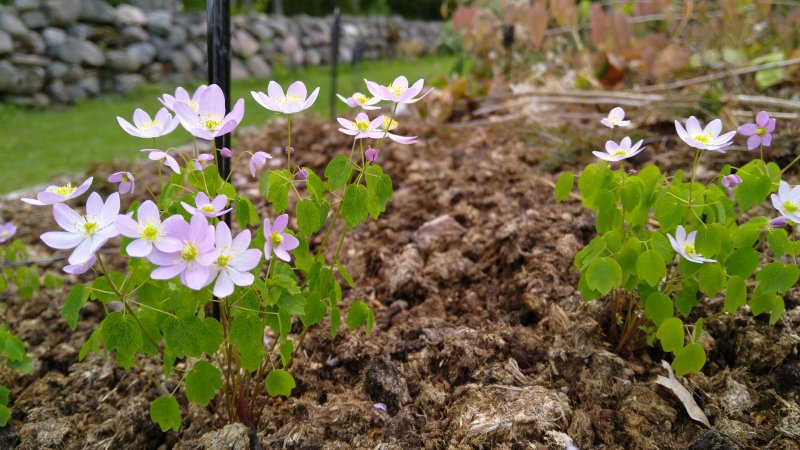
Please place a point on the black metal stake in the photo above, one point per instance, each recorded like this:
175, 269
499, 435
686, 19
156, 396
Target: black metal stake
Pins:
334, 58
219, 73
508, 43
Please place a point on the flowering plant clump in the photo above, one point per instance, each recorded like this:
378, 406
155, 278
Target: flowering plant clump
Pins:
224, 308
664, 244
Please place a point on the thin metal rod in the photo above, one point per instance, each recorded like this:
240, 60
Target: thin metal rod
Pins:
334, 59
219, 71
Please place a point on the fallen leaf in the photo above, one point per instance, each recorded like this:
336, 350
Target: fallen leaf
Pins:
683, 395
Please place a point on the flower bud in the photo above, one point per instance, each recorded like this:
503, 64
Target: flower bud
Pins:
289, 150
225, 152
302, 174
371, 154
778, 222
731, 181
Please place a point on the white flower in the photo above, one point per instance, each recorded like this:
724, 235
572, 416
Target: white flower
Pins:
234, 263
787, 201
618, 152
684, 245
86, 234
147, 230
615, 117
707, 138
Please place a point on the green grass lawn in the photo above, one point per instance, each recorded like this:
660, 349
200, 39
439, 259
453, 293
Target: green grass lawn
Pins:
39, 145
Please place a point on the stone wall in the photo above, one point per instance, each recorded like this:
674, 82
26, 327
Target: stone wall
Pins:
61, 51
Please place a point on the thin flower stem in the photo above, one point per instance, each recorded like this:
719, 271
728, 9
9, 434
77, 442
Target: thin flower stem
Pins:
694, 172
794, 161
330, 228
289, 142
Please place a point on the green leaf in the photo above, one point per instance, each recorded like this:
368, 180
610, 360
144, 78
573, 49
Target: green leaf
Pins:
668, 210
777, 277
608, 214
354, 209
592, 181
698, 330
263, 184
380, 190
280, 182
279, 382
650, 267
316, 187
213, 335
735, 294
631, 193
345, 275
708, 240
166, 413
247, 333
72, 307
308, 219
686, 299
658, 308
604, 274
202, 383
185, 334
711, 278
338, 172
3, 395
767, 302
742, 262
564, 186
670, 333
360, 314
755, 187
246, 213
92, 344
779, 242
5, 415
769, 77
336, 320
101, 287
690, 359
121, 333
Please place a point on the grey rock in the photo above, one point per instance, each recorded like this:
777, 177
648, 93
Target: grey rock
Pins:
130, 15
198, 29
74, 73
69, 51
7, 75
62, 12
243, 44
34, 19
56, 69
33, 101
12, 25
238, 70
195, 54
97, 11
33, 43
57, 91
313, 57
127, 82
123, 60
261, 31
80, 30
133, 33
159, 22
438, 233
293, 51
76, 92
30, 60
258, 67
177, 36
144, 51
6, 44
26, 80
26, 5
384, 384
235, 436
53, 37
181, 63
155, 71
91, 55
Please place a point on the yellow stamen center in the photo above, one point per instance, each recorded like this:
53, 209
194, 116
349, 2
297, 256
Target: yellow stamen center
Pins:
761, 131
223, 260
620, 152
689, 249
63, 190
208, 208
5, 233
89, 227
360, 98
703, 138
193, 104
276, 238
189, 253
126, 178
362, 125
790, 207
149, 232
144, 126
396, 90
291, 98
613, 118
211, 121
389, 124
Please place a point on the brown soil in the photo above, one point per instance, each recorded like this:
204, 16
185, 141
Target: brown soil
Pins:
481, 339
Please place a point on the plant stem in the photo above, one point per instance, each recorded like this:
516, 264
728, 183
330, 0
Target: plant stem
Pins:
694, 172
289, 142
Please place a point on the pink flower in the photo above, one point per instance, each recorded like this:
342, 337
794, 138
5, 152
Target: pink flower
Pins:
759, 133
125, 180
59, 194
206, 207
87, 233
301, 174
7, 231
389, 125
199, 162
144, 127
234, 262
778, 222
156, 155
707, 138
294, 101
359, 100
82, 268
731, 181
147, 231
225, 152
615, 117
181, 96
278, 241
209, 119
362, 127
197, 252
371, 154
257, 161
398, 90
618, 152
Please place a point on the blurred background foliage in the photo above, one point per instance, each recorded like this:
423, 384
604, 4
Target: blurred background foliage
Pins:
411, 9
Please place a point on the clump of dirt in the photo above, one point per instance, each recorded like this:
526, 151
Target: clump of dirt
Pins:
481, 338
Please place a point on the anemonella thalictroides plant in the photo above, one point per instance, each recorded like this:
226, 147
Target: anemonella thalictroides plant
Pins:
665, 244
216, 305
